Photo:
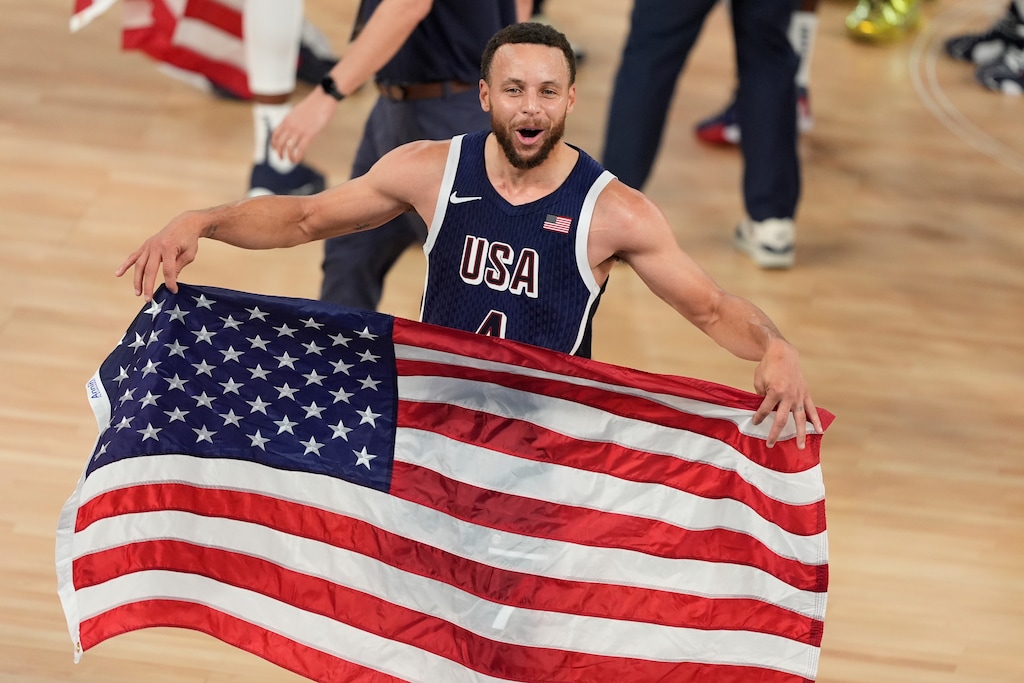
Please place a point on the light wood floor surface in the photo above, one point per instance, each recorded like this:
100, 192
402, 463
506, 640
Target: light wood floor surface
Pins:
907, 304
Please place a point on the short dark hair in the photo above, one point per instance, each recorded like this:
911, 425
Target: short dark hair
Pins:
530, 33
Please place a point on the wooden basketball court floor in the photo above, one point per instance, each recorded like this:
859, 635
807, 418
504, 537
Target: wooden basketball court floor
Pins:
907, 304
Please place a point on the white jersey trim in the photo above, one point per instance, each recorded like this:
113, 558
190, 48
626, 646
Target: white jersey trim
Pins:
451, 167
582, 261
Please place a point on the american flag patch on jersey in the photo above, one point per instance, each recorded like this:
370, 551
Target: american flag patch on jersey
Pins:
557, 223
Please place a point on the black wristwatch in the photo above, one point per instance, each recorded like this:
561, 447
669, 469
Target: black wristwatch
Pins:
331, 88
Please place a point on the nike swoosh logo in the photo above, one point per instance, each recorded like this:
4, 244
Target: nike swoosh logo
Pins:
456, 199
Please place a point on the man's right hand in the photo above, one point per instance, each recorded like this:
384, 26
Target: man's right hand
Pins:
171, 250
292, 137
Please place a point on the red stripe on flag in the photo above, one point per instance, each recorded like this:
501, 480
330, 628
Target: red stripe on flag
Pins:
487, 582
380, 617
532, 442
301, 659
595, 528
157, 41
497, 350
224, 17
630, 406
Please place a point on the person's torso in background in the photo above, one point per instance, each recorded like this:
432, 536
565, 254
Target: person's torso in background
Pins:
447, 44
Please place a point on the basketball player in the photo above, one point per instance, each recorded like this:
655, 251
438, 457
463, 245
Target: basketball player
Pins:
523, 228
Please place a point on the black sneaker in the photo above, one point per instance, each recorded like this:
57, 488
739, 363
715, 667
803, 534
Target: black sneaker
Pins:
1006, 75
988, 47
301, 180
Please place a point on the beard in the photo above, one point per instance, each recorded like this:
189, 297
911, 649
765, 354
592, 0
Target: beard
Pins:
505, 139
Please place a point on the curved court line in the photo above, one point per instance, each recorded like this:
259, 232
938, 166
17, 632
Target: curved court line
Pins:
923, 58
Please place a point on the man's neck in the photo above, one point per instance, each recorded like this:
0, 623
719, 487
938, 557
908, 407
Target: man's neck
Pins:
521, 186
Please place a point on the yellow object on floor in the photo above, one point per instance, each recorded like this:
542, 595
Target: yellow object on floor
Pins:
882, 20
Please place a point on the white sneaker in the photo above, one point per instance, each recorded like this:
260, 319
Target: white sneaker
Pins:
769, 242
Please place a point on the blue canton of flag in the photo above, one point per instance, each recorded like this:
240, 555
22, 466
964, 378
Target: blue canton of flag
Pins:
211, 377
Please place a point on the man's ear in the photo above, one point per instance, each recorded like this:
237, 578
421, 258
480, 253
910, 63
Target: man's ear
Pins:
571, 98
485, 96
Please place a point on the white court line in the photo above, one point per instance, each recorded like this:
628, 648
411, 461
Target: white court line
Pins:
923, 58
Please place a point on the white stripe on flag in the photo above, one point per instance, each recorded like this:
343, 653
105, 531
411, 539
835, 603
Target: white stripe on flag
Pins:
462, 539
608, 637
322, 633
210, 41
743, 419
569, 486
578, 421
85, 15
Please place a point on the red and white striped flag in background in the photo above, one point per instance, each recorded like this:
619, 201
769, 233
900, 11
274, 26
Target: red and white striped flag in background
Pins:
358, 497
199, 41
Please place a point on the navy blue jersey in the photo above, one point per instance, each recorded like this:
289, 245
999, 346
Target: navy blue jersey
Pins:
448, 43
518, 272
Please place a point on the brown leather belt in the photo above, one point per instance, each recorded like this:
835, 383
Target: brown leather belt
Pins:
423, 91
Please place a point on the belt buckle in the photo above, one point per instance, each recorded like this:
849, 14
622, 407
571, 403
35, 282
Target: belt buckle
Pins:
391, 91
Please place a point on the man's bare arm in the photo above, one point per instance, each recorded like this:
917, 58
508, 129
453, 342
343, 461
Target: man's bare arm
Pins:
629, 226
406, 179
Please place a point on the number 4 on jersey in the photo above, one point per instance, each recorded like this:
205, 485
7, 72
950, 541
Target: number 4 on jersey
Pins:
494, 324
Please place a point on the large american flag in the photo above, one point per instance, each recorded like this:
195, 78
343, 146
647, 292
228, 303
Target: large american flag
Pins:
357, 497
199, 41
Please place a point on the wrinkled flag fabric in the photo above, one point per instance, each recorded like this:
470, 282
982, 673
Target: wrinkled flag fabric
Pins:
354, 496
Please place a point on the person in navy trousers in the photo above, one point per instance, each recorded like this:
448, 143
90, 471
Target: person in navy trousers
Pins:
661, 35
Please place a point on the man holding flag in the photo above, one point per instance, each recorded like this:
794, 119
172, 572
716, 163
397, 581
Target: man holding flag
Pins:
518, 282
358, 497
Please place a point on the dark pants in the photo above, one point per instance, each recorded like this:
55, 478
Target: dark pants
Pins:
355, 265
661, 36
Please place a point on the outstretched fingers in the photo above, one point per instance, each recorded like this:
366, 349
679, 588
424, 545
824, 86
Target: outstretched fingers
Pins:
289, 143
149, 260
812, 415
152, 271
770, 403
128, 263
139, 260
802, 410
800, 418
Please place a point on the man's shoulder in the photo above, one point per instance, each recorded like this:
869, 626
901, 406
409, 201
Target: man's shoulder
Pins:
411, 173
625, 218
621, 203
420, 155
